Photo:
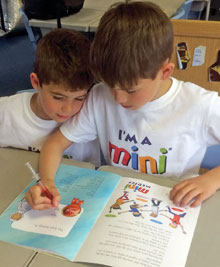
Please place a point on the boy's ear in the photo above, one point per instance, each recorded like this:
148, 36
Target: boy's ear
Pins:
167, 69
35, 81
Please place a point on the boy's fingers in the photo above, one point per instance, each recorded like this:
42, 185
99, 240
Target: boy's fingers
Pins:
178, 195
38, 205
197, 202
199, 199
177, 188
189, 197
56, 201
36, 200
56, 196
33, 193
54, 192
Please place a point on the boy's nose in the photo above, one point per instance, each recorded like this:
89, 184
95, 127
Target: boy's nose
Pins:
68, 108
120, 96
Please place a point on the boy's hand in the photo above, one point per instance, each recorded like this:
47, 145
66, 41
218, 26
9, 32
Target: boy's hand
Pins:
195, 190
38, 201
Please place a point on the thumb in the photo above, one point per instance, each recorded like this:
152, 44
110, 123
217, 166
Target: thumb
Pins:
51, 186
56, 196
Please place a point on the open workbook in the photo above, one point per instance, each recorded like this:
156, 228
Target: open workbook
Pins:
106, 219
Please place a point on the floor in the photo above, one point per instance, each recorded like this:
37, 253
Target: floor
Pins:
16, 62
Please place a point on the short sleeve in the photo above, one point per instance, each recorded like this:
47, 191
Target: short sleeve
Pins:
82, 128
213, 121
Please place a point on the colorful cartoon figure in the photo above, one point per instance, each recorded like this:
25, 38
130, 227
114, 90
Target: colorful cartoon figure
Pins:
155, 207
214, 70
73, 209
23, 207
135, 210
120, 201
175, 221
182, 55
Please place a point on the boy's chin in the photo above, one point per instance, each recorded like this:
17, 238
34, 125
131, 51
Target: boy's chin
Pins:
60, 120
130, 107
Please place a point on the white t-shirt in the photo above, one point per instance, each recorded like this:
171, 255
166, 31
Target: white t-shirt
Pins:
21, 128
165, 137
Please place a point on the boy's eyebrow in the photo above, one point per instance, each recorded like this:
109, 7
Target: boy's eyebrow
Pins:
83, 94
132, 89
60, 94
56, 93
127, 90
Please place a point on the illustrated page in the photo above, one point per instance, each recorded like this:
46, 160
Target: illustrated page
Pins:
48, 222
62, 231
140, 227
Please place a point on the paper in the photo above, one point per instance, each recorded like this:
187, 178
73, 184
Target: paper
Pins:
199, 56
48, 222
143, 229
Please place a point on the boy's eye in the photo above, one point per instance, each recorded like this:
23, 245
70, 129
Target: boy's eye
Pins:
80, 98
58, 97
131, 92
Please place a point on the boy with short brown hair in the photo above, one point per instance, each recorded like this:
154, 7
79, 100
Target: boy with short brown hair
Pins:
62, 79
62, 58
145, 119
131, 43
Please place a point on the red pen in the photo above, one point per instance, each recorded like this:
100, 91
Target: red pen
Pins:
44, 189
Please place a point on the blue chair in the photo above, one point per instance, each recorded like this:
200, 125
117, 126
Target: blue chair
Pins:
180, 14
211, 158
198, 7
183, 11
34, 33
26, 90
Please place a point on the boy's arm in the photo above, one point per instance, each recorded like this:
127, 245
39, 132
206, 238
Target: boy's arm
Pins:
50, 157
194, 191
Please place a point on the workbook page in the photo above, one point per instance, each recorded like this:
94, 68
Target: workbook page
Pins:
47, 222
61, 231
140, 226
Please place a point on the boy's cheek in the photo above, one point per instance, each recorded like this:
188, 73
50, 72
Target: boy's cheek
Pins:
77, 110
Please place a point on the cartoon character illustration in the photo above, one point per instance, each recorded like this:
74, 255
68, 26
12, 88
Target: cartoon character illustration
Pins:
121, 200
175, 221
73, 209
214, 70
23, 207
155, 207
182, 55
135, 210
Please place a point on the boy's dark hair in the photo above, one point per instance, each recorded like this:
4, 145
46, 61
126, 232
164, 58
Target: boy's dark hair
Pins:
62, 57
132, 42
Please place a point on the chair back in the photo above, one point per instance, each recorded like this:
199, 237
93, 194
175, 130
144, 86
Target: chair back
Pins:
183, 10
34, 33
